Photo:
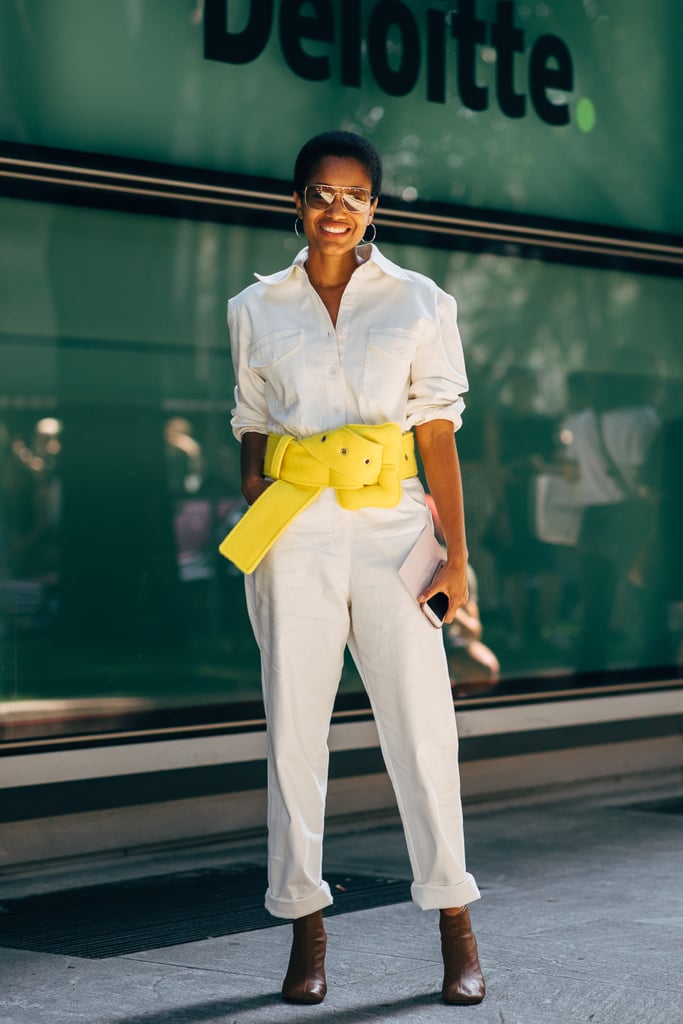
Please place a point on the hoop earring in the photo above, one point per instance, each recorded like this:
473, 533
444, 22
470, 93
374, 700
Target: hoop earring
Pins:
296, 228
368, 241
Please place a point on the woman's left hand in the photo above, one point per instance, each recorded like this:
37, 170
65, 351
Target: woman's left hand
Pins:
439, 454
451, 580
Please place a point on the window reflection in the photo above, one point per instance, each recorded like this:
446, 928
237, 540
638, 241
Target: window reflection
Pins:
520, 441
583, 529
30, 509
609, 457
119, 474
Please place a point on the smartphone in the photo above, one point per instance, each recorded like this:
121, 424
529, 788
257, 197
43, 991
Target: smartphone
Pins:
419, 570
435, 608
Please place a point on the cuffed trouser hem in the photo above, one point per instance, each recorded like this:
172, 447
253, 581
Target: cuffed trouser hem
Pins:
292, 909
441, 897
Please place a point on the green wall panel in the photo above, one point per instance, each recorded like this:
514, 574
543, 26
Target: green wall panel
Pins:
131, 79
119, 473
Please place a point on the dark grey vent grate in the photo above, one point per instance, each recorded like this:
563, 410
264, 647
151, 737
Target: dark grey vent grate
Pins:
149, 913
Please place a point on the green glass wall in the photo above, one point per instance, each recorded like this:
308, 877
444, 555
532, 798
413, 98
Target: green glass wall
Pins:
119, 473
131, 79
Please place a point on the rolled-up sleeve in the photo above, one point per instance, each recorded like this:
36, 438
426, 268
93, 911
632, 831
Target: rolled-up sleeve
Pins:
438, 376
250, 412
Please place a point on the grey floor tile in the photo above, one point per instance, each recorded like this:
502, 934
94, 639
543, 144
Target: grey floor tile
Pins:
581, 923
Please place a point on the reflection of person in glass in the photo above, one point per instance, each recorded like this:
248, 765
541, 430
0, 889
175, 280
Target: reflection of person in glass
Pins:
30, 512
473, 666
33, 495
656, 573
521, 444
344, 336
609, 444
183, 456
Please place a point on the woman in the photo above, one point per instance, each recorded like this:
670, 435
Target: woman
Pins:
345, 337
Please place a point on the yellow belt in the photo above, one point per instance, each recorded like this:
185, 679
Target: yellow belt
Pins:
364, 463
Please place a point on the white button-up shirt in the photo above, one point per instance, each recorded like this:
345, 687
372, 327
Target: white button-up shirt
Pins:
394, 355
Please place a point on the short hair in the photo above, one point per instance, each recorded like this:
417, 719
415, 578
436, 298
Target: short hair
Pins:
338, 143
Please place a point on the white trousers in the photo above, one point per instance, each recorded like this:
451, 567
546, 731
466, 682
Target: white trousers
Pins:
331, 580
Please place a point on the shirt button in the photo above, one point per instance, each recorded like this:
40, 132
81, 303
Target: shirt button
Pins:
332, 371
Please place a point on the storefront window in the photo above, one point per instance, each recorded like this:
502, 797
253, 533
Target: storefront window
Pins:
119, 473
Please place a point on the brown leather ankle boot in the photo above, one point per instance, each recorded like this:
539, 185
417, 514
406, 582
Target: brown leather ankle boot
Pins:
305, 979
463, 982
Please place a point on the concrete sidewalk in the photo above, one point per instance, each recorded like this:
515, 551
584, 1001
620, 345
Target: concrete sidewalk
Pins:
581, 922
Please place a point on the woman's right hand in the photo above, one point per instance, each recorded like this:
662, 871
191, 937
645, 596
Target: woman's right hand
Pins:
253, 488
252, 458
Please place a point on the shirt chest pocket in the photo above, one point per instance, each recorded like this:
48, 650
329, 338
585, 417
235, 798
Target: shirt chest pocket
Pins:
388, 358
278, 360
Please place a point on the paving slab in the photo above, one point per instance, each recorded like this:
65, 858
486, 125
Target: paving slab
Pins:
581, 922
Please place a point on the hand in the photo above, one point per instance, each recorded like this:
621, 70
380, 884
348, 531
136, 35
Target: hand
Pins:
253, 487
451, 579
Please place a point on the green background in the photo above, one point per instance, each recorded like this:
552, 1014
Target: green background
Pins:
130, 79
115, 323
112, 325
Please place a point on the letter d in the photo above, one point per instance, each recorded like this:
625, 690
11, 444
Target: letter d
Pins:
236, 47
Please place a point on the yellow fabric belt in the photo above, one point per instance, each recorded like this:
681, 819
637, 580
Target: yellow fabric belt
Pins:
364, 463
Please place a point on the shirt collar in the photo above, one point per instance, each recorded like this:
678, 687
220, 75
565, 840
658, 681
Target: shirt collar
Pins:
282, 275
375, 258
386, 265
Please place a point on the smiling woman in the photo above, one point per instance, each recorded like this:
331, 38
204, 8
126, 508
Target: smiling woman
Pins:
336, 196
365, 351
335, 216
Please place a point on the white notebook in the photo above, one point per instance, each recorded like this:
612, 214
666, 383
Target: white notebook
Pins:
423, 560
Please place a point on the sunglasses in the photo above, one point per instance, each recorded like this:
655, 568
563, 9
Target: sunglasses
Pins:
321, 197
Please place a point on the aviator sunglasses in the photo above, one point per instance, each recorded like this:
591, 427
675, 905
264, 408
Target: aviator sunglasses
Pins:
320, 197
